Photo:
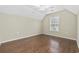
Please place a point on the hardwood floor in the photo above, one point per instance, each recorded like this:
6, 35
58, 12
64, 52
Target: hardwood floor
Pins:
40, 44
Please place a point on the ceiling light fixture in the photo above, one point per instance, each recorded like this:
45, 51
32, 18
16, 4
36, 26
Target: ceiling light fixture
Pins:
44, 7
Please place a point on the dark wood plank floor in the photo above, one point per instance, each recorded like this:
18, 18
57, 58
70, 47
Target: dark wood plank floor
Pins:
40, 44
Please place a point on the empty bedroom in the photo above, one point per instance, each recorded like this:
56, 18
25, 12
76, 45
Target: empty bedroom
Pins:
39, 28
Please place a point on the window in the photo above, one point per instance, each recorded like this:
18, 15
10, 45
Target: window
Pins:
54, 23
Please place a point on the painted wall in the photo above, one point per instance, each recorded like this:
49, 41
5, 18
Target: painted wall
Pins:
68, 25
12, 27
78, 30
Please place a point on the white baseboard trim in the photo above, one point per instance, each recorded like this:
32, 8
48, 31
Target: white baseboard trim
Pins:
77, 44
0, 44
18, 38
62, 37
77, 40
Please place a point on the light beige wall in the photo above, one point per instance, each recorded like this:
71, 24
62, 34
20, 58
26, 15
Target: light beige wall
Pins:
68, 25
12, 27
78, 30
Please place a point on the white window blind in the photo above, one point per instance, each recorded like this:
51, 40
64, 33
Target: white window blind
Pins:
54, 23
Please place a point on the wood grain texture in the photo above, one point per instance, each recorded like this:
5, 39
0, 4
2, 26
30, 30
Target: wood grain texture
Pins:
40, 44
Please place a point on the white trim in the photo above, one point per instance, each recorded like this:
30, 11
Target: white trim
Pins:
77, 44
0, 44
77, 41
18, 38
62, 37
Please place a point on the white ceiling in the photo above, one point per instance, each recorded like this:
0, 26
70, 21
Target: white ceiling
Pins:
36, 12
